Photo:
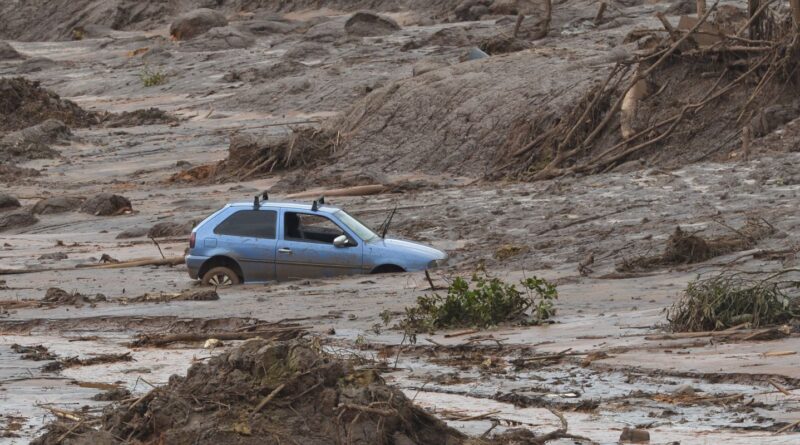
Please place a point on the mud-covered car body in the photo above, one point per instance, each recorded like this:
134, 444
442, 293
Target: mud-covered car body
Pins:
278, 241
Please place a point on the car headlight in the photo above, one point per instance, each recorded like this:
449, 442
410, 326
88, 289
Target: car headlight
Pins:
435, 264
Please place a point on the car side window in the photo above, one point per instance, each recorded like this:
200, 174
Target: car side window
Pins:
309, 228
249, 223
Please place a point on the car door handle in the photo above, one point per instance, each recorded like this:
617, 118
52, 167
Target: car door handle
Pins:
285, 250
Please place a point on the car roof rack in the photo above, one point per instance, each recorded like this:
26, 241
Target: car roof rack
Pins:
256, 204
317, 202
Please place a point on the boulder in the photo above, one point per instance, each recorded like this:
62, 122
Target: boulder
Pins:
16, 219
7, 52
367, 23
57, 204
8, 202
196, 22
106, 204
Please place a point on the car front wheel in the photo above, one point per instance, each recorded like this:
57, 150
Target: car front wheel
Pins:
221, 276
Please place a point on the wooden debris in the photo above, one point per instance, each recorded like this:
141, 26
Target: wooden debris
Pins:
276, 333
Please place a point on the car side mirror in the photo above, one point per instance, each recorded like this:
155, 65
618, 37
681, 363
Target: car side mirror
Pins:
342, 241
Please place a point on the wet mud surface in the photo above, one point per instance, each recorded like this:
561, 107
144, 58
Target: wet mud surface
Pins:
610, 365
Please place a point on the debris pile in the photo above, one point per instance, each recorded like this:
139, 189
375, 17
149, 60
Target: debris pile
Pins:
106, 204
24, 103
731, 299
368, 24
273, 392
57, 296
686, 90
250, 155
147, 116
683, 247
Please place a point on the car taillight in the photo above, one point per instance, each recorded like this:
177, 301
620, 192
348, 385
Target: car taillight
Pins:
192, 240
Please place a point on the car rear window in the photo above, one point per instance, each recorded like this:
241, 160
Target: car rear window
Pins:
250, 223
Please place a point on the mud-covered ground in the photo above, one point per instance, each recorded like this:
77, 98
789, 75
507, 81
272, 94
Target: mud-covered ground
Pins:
614, 367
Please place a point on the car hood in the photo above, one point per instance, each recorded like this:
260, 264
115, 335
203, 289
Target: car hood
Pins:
396, 244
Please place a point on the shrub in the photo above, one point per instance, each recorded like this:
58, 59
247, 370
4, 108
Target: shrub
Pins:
726, 300
482, 302
152, 78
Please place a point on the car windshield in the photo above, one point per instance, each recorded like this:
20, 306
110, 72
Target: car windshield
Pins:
356, 226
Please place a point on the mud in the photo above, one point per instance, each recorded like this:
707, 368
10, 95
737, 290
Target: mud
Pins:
303, 106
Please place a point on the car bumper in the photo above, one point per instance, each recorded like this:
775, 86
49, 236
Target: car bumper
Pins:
193, 263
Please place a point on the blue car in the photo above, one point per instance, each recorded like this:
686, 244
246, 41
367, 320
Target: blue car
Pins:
267, 241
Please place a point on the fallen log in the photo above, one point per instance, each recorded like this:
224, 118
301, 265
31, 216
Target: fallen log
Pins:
761, 334
358, 190
172, 261
279, 333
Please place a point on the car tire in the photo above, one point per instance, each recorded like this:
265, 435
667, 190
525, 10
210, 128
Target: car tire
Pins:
221, 276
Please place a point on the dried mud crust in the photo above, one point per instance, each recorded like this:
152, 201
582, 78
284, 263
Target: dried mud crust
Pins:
265, 393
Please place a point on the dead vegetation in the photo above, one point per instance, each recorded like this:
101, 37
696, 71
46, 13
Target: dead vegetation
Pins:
735, 298
251, 155
681, 90
684, 247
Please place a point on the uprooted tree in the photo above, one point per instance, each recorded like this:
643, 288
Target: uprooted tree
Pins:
691, 91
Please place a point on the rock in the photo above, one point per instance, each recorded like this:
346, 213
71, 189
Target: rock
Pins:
474, 53
7, 52
16, 219
220, 39
168, 229
8, 202
57, 204
196, 22
106, 204
634, 435
55, 256
135, 232
367, 23
36, 64
212, 343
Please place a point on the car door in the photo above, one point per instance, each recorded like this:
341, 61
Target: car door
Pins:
305, 247
249, 237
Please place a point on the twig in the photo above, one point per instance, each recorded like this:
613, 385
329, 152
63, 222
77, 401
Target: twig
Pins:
267, 399
159, 247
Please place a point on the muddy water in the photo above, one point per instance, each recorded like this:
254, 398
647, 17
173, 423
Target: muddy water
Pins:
26, 391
